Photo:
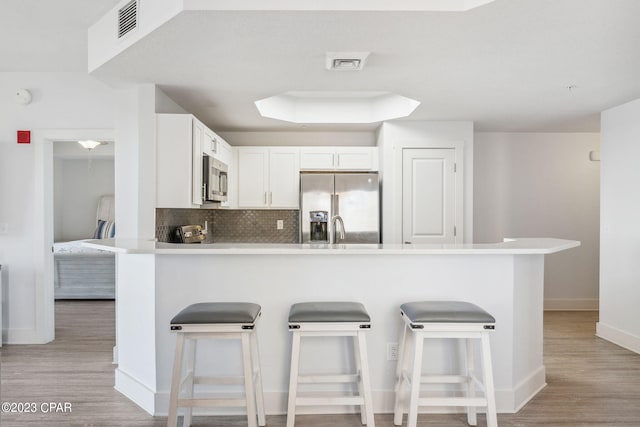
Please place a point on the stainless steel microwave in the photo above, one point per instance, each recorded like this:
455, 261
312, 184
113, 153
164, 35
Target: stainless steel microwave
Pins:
214, 180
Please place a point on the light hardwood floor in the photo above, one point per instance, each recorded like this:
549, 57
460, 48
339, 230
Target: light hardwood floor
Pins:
590, 382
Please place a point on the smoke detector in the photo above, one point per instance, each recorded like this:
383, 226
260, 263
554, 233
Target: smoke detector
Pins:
346, 61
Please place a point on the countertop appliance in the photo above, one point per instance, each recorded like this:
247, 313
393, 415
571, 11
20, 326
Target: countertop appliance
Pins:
351, 201
190, 234
214, 180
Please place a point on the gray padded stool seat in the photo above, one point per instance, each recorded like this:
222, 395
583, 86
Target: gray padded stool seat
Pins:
445, 312
216, 320
339, 311
216, 312
444, 319
331, 319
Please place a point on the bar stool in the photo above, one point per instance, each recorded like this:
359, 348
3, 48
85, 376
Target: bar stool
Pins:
331, 319
444, 319
217, 320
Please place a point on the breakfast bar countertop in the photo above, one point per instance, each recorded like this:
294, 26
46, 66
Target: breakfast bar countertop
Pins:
155, 281
519, 246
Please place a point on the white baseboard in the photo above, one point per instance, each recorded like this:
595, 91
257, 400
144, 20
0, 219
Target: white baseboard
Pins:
618, 337
526, 390
135, 391
22, 336
571, 304
275, 402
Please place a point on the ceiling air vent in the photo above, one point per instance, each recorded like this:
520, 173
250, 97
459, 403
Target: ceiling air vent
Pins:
127, 18
346, 61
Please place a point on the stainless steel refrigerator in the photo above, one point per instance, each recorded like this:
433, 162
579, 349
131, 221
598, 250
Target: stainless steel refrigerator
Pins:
349, 202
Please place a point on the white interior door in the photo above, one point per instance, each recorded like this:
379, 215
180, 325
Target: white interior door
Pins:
428, 195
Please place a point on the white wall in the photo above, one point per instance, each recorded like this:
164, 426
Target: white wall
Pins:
78, 185
135, 155
543, 185
60, 100
620, 226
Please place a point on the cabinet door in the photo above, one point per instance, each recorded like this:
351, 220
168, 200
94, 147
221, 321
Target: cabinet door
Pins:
428, 196
284, 178
196, 153
225, 155
174, 161
253, 177
210, 142
355, 158
317, 158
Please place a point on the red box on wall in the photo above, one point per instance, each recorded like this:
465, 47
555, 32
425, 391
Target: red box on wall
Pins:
24, 137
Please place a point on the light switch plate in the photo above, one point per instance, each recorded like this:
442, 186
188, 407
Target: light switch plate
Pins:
280, 224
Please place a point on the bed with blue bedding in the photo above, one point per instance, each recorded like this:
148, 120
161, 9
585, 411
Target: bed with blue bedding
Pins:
87, 273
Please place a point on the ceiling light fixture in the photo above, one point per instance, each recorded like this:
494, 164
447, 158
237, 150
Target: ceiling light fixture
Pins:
90, 144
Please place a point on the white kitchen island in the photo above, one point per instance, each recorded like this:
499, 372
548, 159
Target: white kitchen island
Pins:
156, 280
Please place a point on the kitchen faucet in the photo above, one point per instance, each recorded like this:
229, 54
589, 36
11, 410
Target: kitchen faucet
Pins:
334, 219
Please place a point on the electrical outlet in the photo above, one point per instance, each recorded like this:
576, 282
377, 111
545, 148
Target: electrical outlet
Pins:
392, 351
280, 224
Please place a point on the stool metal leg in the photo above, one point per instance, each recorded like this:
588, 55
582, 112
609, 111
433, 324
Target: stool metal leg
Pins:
293, 379
401, 368
365, 379
492, 418
471, 410
418, 344
255, 356
172, 421
249, 391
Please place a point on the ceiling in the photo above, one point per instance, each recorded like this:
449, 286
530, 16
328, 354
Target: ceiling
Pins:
44, 35
510, 65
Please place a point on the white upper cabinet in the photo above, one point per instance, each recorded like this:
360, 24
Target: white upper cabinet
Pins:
174, 167
268, 177
181, 141
317, 158
198, 145
253, 177
339, 158
284, 177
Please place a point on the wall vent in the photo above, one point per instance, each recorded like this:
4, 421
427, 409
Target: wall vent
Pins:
127, 18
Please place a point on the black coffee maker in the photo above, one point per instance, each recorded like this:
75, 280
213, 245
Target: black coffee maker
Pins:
318, 226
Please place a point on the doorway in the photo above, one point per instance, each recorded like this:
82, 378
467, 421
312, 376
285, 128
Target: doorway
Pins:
44, 308
83, 193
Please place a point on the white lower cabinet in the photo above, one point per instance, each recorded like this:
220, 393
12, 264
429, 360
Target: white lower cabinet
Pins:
268, 177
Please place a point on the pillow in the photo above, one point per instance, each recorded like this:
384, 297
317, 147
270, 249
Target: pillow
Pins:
105, 230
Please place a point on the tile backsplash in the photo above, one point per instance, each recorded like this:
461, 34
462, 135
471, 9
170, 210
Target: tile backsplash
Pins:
231, 225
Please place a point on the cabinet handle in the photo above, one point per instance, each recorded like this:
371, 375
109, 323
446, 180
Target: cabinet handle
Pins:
265, 197
337, 160
270, 198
